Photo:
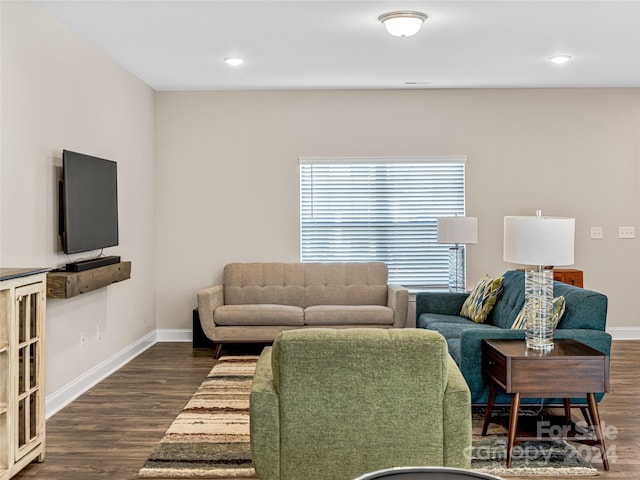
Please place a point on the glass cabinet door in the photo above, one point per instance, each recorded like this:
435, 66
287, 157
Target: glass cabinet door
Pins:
30, 407
5, 316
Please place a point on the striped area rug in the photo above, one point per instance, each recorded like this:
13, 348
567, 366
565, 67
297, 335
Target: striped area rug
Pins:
210, 437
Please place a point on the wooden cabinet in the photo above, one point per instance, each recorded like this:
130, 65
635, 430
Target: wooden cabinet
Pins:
22, 395
568, 275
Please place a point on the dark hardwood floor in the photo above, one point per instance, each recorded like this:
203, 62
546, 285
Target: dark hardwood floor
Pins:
109, 432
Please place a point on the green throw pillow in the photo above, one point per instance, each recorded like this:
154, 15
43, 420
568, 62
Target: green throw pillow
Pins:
557, 312
482, 299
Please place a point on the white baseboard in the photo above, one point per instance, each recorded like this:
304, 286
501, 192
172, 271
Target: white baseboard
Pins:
65, 395
624, 333
175, 335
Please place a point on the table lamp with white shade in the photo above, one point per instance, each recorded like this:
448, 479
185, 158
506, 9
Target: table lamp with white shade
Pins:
544, 242
457, 231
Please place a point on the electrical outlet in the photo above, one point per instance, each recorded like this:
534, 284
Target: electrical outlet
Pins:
83, 339
626, 232
597, 233
98, 332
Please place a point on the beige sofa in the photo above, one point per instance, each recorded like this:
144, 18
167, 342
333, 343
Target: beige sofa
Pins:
256, 301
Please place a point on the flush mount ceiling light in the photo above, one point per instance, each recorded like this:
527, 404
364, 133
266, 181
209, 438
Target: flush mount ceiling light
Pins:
560, 59
233, 61
403, 23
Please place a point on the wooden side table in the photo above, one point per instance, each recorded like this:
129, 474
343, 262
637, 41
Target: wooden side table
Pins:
569, 275
570, 370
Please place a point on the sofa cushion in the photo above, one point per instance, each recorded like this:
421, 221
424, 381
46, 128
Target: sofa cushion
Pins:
264, 315
584, 308
510, 302
556, 314
348, 315
455, 330
345, 284
427, 319
306, 284
482, 299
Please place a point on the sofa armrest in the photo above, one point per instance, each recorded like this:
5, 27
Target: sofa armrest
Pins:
596, 339
264, 414
444, 303
398, 300
208, 299
457, 419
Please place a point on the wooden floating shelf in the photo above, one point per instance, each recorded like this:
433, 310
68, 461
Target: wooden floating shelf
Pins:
70, 284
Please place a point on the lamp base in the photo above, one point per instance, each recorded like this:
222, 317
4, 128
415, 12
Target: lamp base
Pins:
538, 285
456, 269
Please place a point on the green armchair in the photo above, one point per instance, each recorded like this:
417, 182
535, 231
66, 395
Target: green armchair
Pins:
334, 404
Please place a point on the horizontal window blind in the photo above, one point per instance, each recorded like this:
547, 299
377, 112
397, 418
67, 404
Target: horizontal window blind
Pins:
381, 210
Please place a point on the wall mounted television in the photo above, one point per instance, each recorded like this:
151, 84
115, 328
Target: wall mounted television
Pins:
88, 203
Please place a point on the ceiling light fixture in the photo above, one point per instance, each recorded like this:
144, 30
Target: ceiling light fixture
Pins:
234, 61
560, 59
403, 23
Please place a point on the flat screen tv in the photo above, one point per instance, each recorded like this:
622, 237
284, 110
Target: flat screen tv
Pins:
89, 202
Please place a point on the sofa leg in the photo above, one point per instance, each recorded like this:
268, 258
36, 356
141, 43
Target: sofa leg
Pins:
218, 350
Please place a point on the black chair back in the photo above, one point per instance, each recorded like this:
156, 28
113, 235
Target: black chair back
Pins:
426, 473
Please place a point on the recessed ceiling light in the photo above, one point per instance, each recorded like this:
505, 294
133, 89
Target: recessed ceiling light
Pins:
560, 59
234, 61
403, 23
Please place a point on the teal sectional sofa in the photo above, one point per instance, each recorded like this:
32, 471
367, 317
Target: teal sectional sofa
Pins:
584, 320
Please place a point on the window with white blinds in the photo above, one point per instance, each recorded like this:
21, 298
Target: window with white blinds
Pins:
381, 210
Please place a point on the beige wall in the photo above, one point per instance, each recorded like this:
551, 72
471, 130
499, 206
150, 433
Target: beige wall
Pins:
60, 93
227, 166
